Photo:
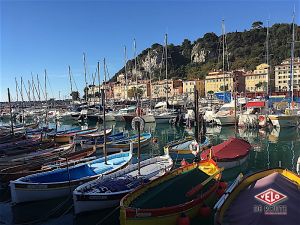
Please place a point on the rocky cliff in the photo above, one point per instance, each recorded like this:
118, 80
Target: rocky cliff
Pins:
193, 60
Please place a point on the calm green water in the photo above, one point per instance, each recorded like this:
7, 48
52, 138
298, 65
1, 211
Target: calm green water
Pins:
271, 147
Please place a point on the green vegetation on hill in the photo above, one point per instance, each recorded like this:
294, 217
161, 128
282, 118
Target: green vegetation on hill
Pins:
245, 49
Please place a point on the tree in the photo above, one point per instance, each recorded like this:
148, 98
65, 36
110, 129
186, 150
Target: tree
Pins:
257, 25
210, 92
135, 92
75, 95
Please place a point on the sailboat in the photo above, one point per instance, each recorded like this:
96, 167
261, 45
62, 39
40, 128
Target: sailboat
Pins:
166, 116
289, 118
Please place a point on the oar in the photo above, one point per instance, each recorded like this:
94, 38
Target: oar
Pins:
198, 187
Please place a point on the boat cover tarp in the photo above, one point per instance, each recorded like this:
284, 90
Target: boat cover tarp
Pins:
256, 104
241, 211
233, 148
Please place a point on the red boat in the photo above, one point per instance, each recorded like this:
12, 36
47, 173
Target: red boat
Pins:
229, 154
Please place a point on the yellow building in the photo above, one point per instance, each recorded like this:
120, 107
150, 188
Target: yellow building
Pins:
189, 85
283, 72
159, 88
257, 80
120, 90
215, 81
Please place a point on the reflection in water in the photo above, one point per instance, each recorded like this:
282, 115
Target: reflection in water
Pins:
269, 148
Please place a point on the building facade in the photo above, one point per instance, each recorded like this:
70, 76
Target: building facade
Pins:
283, 75
159, 88
190, 85
258, 80
215, 81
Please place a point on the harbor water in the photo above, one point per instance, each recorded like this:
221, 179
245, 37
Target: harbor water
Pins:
271, 148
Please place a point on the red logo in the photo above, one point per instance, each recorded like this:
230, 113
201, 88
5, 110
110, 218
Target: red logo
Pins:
270, 196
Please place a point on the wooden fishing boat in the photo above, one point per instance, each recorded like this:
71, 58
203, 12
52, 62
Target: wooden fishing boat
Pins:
124, 145
62, 160
61, 182
67, 137
107, 191
98, 142
229, 154
44, 155
94, 135
163, 200
25, 146
10, 138
267, 197
53, 133
186, 148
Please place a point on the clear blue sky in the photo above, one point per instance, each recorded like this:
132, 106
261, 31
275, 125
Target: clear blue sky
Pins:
38, 35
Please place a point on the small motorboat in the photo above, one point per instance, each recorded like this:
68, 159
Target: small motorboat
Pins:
229, 154
267, 197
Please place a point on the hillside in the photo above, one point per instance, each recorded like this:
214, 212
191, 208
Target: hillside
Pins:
193, 60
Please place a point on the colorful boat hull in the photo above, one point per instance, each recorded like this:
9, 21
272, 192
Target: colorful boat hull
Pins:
168, 215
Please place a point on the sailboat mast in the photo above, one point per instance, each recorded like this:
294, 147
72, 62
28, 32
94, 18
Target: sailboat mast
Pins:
292, 60
135, 63
103, 105
267, 57
46, 97
223, 56
150, 77
10, 111
39, 90
99, 82
166, 58
84, 64
23, 113
125, 67
17, 89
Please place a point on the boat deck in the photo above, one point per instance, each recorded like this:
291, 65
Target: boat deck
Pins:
171, 192
130, 180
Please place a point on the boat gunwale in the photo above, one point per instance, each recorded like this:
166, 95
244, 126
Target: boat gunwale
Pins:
131, 212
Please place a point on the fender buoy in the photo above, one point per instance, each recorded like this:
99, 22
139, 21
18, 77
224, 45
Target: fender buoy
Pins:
261, 118
183, 162
183, 220
231, 112
155, 140
139, 111
205, 211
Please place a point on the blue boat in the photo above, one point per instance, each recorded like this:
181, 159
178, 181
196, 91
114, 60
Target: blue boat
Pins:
61, 182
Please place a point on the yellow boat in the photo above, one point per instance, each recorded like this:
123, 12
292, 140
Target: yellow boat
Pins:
162, 201
267, 197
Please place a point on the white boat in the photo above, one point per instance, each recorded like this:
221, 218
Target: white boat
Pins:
164, 117
61, 182
225, 116
123, 112
107, 191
